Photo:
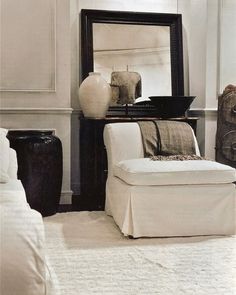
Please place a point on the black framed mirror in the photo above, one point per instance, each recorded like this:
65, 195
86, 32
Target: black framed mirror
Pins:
145, 31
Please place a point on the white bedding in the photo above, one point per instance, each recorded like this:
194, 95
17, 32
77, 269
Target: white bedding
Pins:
22, 262
4, 156
12, 192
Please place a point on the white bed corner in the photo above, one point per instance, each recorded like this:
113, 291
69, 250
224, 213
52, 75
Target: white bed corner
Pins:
23, 269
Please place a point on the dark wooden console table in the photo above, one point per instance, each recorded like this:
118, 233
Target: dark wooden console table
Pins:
93, 159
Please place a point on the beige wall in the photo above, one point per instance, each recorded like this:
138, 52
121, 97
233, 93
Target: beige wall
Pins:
35, 71
203, 70
228, 44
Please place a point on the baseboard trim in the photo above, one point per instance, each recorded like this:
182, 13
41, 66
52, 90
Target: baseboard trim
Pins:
66, 197
75, 186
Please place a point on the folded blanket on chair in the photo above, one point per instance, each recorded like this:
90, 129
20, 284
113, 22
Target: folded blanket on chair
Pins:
176, 158
167, 138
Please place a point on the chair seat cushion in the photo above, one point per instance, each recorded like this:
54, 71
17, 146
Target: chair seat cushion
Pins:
144, 171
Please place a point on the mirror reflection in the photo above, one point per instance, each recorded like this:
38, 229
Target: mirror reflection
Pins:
139, 53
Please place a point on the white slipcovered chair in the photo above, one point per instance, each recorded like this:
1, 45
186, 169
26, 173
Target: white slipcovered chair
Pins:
165, 198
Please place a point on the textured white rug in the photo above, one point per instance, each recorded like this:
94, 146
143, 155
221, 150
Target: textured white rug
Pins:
88, 255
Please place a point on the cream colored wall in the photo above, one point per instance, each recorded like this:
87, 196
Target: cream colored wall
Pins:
220, 66
29, 99
228, 43
203, 70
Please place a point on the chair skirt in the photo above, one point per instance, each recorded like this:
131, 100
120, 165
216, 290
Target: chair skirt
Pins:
176, 210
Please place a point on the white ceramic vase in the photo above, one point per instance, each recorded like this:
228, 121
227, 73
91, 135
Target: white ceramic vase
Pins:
94, 96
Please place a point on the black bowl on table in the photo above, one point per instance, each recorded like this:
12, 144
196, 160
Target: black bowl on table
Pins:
171, 106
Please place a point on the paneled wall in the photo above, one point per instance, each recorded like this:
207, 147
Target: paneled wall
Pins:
227, 43
35, 71
203, 70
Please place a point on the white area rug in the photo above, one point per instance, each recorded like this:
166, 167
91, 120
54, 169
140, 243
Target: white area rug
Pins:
88, 255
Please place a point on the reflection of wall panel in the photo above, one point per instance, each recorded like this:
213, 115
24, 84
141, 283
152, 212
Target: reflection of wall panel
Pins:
156, 79
27, 58
153, 66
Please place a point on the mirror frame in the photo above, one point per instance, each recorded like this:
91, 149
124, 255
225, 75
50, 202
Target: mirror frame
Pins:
174, 21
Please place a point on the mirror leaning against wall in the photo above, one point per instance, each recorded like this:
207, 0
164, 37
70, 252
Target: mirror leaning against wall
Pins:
147, 47
142, 49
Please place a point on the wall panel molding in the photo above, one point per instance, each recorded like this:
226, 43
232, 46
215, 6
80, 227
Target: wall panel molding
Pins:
25, 111
66, 197
202, 112
28, 46
77, 111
